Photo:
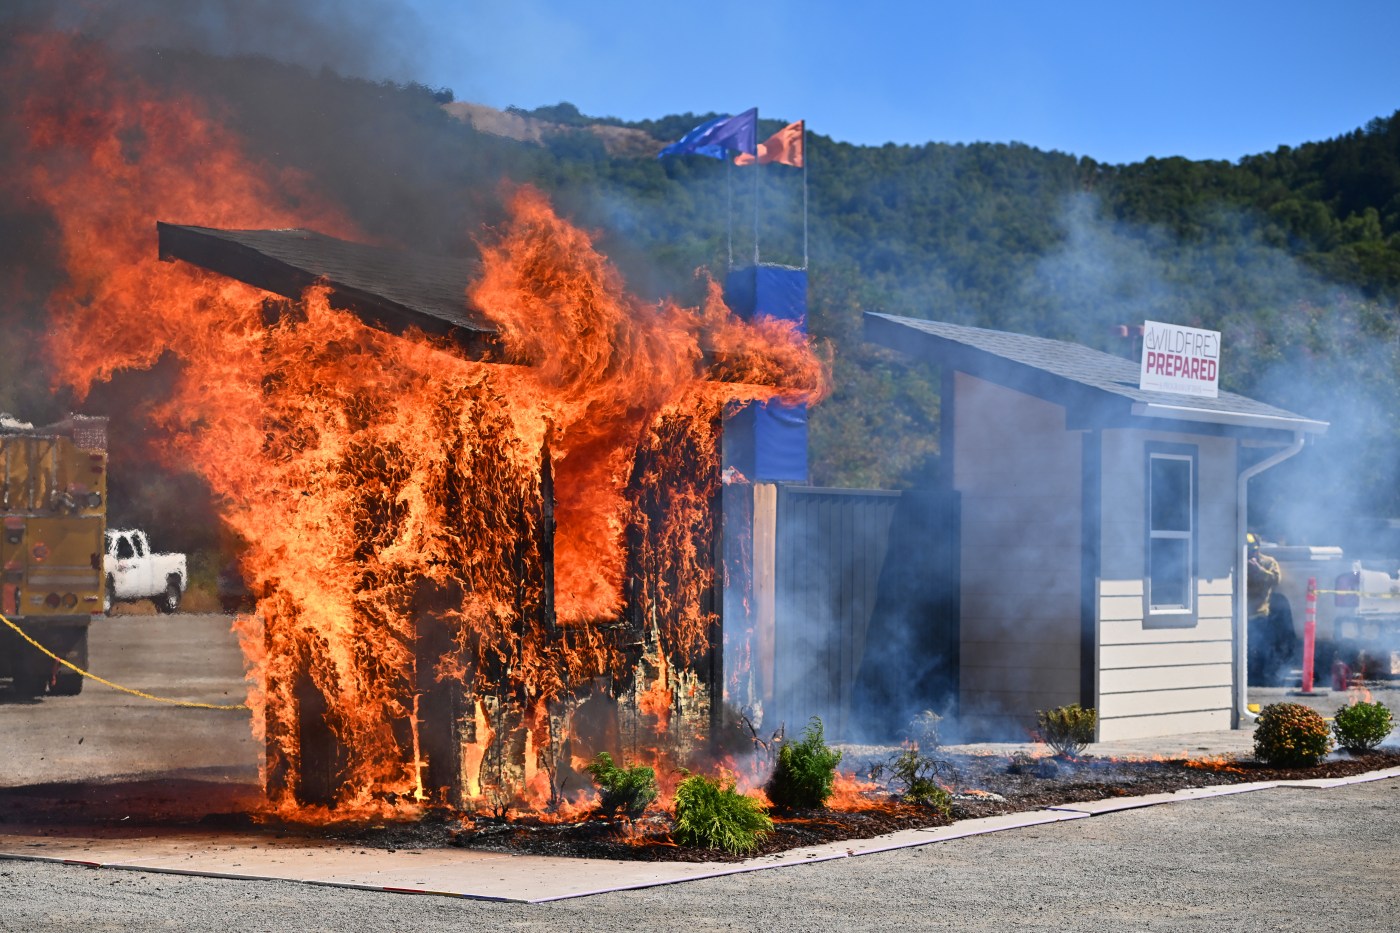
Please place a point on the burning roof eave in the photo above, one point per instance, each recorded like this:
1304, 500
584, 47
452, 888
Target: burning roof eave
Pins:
229, 253
363, 279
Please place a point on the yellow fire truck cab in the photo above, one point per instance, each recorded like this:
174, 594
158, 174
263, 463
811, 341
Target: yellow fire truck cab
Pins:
53, 507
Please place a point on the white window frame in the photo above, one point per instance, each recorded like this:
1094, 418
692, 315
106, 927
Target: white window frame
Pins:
1176, 612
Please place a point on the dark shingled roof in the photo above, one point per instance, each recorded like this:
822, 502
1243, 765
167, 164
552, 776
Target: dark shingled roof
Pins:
393, 290
1069, 373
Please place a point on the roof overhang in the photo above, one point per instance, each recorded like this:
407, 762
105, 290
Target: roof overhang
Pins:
1097, 390
390, 290
1187, 412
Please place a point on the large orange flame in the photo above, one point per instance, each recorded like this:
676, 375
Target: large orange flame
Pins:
395, 500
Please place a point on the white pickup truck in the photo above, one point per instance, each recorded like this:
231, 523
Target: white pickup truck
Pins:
135, 573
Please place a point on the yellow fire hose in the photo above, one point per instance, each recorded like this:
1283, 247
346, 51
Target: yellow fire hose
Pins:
1391, 595
188, 704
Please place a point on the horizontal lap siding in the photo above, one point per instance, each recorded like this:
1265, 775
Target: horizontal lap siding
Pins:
1019, 474
1165, 675
1151, 677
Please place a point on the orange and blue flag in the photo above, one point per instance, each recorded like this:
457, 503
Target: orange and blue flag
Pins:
787, 146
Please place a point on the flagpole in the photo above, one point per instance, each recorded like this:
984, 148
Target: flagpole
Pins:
804, 195
755, 206
729, 209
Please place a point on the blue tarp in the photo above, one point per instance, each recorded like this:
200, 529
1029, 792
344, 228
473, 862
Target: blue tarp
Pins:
767, 442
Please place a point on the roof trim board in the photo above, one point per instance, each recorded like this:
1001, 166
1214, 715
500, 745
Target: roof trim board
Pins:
390, 290
1092, 385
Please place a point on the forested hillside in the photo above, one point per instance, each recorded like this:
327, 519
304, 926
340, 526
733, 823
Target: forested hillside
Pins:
1293, 254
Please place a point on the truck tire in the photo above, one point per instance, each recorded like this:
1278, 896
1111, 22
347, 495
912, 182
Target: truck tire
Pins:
32, 674
169, 601
66, 681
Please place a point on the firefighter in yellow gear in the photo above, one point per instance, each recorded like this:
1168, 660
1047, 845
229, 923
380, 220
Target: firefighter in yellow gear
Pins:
1271, 637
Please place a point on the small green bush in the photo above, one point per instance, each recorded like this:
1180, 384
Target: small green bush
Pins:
923, 731
1360, 727
628, 790
712, 814
914, 777
805, 772
1067, 729
1291, 735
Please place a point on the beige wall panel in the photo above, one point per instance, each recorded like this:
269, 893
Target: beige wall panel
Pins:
981, 534
1216, 586
1142, 679
1112, 657
1129, 587
1120, 609
1021, 678
982, 573
1131, 632
1043, 619
1138, 727
1160, 702
1004, 653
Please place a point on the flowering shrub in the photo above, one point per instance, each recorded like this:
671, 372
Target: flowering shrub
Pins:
1291, 735
1360, 727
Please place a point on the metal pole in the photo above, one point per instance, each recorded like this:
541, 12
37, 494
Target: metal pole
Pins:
804, 195
1309, 634
755, 210
729, 210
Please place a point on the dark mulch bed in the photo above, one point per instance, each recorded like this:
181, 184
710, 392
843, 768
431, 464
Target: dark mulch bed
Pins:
983, 785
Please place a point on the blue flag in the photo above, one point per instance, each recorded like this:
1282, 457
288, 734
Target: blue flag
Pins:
712, 139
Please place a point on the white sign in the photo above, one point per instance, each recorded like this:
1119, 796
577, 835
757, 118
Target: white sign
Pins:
1179, 359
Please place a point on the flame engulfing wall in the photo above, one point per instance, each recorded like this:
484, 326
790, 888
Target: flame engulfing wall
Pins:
461, 566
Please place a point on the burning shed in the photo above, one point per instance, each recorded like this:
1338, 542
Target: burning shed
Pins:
471, 577
1100, 534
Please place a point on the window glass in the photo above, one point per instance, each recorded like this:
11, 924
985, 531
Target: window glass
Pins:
124, 550
1171, 573
1171, 494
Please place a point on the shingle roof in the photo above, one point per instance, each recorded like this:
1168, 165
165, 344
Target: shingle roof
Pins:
391, 289
1069, 373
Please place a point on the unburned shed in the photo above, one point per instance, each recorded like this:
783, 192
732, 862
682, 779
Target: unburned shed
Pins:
1101, 532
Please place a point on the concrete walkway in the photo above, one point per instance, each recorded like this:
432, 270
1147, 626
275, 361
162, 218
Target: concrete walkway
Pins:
537, 879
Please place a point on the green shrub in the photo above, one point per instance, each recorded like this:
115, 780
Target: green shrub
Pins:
914, 777
712, 814
628, 790
1360, 727
923, 731
1291, 735
805, 772
1067, 729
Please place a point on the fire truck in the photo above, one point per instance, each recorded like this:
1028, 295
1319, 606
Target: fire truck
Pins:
53, 512
1357, 608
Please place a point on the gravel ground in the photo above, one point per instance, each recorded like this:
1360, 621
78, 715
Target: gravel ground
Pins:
1276, 860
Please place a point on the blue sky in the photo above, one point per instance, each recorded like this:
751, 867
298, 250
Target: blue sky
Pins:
1115, 81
